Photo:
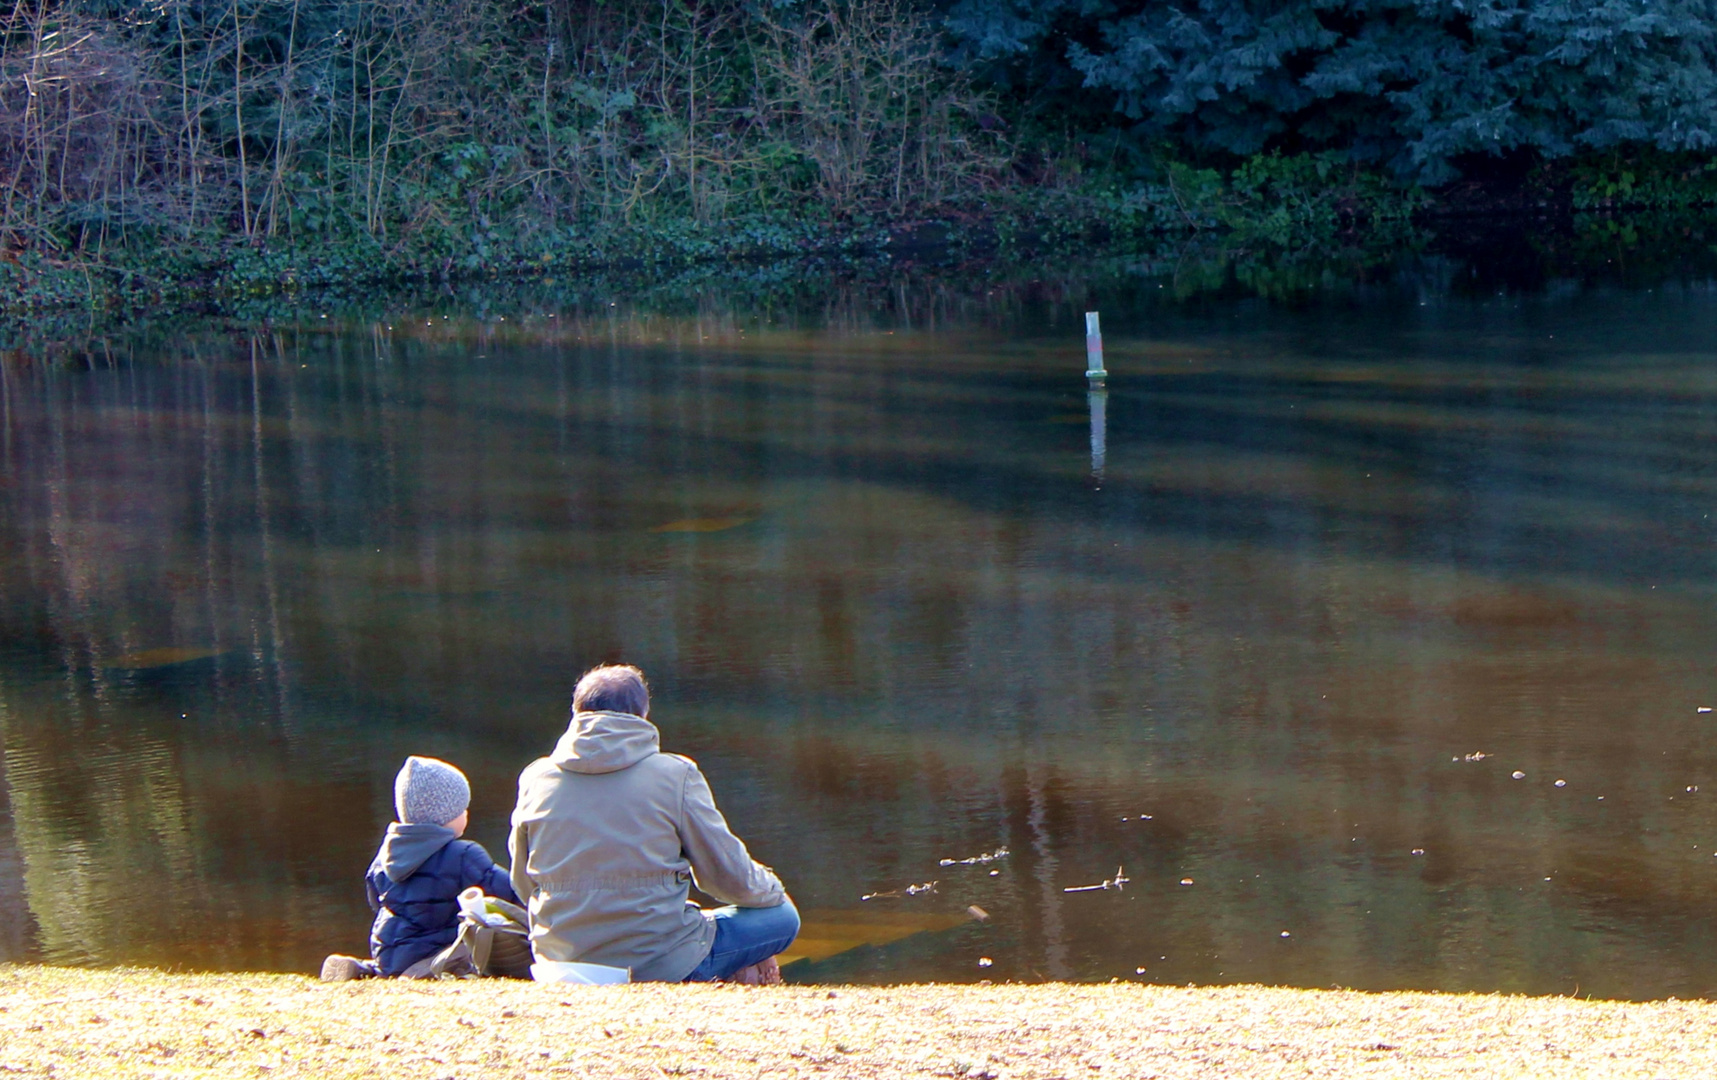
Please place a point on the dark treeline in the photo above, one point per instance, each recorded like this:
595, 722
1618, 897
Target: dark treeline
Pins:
460, 136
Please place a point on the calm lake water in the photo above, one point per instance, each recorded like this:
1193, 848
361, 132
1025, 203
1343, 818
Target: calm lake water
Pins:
1371, 641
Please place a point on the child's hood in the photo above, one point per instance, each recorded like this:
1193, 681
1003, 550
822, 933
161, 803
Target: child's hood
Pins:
408, 846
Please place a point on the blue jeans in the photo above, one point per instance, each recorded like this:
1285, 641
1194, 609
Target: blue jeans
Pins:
745, 936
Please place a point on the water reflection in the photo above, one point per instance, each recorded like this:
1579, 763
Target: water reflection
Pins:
1098, 401
1333, 553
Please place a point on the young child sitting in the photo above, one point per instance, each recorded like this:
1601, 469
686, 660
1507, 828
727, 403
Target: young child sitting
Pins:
417, 875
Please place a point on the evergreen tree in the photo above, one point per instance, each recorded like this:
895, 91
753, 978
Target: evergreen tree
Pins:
1413, 84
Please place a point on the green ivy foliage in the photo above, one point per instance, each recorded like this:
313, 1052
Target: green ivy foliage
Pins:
1649, 179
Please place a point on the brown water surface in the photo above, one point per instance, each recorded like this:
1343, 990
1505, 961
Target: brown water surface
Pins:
1271, 624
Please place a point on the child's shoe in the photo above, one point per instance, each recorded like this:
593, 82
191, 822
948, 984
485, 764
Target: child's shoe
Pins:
339, 968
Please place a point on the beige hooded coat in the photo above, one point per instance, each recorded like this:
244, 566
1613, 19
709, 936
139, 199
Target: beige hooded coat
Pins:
608, 835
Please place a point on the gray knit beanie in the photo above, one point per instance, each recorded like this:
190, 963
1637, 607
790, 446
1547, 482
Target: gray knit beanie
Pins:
429, 792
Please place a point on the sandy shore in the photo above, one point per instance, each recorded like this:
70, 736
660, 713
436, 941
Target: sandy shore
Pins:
67, 1023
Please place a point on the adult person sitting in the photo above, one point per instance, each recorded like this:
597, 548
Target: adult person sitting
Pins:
608, 835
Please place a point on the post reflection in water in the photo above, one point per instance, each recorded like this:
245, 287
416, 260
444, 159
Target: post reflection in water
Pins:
1345, 572
1098, 400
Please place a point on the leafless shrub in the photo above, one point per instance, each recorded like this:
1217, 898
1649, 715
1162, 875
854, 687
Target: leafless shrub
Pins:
80, 150
390, 118
860, 90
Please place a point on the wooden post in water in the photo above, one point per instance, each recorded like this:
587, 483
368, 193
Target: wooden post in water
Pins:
1094, 349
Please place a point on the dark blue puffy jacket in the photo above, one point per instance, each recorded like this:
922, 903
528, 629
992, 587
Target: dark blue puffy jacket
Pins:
414, 886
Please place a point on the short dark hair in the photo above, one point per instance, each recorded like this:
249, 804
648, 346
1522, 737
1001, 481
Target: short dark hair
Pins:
612, 688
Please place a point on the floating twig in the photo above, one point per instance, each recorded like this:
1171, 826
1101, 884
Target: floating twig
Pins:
978, 860
895, 894
1120, 879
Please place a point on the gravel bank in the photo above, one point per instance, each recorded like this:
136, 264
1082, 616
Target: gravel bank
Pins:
66, 1023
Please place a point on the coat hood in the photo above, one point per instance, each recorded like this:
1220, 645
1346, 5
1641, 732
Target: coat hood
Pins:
407, 847
604, 742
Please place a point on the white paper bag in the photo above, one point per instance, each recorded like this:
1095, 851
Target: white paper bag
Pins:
568, 971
